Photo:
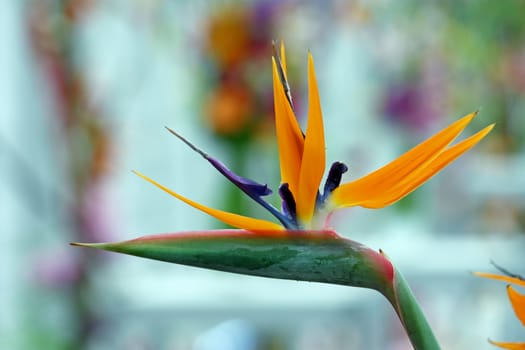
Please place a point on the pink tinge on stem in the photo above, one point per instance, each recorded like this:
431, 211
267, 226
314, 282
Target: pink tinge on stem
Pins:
382, 260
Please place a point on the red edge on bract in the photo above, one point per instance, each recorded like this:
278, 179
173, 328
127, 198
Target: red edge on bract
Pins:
383, 261
240, 233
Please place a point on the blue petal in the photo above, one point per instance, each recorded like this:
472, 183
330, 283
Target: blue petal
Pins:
244, 184
248, 186
253, 189
289, 207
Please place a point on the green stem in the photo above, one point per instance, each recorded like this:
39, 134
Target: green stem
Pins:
411, 316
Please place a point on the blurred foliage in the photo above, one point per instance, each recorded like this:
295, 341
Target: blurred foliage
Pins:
479, 47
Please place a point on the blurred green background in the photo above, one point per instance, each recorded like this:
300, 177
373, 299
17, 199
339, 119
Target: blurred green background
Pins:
87, 87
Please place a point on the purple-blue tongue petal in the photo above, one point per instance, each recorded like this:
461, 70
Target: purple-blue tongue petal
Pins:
253, 189
250, 187
243, 183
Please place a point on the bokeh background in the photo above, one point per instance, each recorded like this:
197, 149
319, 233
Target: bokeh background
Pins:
87, 87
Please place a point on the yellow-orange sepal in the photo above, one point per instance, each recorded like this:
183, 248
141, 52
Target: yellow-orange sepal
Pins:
228, 218
508, 346
403, 175
518, 303
289, 135
313, 160
508, 279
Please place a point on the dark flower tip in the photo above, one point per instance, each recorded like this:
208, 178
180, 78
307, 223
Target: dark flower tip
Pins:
288, 204
334, 177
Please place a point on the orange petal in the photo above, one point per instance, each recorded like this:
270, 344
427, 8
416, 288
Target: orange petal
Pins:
508, 279
373, 185
420, 176
234, 220
518, 303
313, 160
289, 136
509, 346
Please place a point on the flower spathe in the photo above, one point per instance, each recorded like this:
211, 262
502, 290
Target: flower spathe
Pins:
302, 165
517, 301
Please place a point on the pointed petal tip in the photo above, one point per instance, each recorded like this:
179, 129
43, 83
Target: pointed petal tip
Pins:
508, 346
508, 279
482, 133
468, 118
188, 143
277, 44
171, 130
274, 50
518, 303
469, 142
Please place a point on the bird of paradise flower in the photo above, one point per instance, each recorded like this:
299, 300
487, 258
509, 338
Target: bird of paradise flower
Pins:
302, 164
517, 301
300, 245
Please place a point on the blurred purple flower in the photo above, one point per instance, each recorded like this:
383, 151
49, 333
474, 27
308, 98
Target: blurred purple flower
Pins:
58, 267
98, 215
406, 104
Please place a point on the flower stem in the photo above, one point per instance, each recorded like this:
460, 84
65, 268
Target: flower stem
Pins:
411, 316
